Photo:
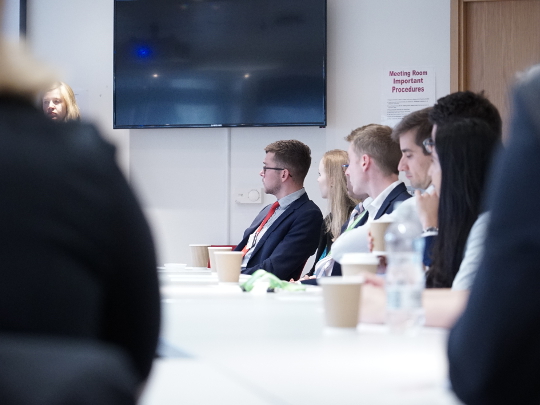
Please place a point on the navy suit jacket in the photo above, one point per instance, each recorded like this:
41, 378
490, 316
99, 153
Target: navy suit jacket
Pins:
398, 194
285, 247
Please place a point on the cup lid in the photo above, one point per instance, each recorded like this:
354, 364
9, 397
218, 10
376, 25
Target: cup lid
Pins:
340, 280
359, 258
385, 219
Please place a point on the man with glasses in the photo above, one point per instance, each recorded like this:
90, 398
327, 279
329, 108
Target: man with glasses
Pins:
285, 234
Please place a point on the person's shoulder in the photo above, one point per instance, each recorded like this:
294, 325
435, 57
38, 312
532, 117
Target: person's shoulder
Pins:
85, 138
310, 204
480, 225
405, 204
84, 133
483, 218
401, 192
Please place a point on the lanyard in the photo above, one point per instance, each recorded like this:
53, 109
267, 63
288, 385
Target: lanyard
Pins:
353, 224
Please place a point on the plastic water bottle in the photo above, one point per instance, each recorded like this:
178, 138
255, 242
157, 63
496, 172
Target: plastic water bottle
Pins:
405, 276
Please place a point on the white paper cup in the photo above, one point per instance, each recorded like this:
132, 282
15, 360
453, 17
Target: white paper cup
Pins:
341, 301
212, 250
228, 266
353, 264
199, 255
378, 229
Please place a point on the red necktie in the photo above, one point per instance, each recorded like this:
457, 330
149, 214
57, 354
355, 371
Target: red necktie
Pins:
264, 221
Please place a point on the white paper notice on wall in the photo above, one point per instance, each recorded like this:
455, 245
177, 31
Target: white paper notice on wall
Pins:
405, 90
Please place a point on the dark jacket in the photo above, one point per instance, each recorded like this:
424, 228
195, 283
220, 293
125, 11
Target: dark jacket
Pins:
77, 255
285, 247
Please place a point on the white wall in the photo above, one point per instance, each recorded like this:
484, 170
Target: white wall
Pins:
368, 36
11, 22
182, 174
75, 37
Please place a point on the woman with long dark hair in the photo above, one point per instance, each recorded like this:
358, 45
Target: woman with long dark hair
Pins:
462, 152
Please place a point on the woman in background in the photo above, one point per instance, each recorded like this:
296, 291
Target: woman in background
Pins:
59, 103
333, 186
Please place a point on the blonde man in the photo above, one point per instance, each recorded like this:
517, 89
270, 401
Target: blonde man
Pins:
373, 169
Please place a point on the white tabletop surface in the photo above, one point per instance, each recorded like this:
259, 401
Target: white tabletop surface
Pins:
274, 349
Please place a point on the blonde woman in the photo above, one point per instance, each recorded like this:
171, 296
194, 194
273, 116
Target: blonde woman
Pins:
333, 186
59, 103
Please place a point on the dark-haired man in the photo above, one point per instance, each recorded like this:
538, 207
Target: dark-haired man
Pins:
465, 104
285, 234
448, 109
415, 161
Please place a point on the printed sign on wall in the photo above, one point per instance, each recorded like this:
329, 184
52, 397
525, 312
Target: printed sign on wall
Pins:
404, 91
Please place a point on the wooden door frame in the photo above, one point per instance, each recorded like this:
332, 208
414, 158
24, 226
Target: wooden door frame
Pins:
457, 43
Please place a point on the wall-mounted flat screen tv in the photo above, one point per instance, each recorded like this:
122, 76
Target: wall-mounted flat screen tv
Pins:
201, 63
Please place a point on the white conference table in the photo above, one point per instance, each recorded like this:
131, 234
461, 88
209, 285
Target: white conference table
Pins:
274, 349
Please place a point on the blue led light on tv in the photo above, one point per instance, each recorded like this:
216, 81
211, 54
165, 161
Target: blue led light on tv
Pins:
144, 52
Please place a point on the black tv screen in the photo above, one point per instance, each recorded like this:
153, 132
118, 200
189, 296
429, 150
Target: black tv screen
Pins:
198, 63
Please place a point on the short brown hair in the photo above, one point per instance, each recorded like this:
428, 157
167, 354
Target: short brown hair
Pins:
293, 155
376, 141
418, 120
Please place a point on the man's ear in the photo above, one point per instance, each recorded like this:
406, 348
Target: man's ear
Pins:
365, 162
285, 174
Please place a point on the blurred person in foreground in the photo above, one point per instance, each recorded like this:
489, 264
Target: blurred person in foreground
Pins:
59, 103
77, 256
493, 349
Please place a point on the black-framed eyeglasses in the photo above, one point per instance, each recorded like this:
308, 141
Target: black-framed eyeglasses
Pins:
265, 168
429, 143
344, 167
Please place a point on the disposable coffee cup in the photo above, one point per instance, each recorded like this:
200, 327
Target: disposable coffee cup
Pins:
228, 266
212, 250
341, 297
199, 255
354, 264
378, 229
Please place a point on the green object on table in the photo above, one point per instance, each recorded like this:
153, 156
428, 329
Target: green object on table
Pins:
262, 276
